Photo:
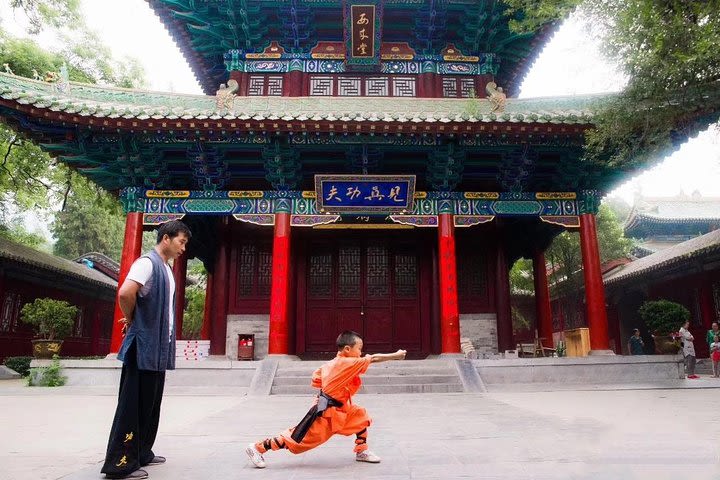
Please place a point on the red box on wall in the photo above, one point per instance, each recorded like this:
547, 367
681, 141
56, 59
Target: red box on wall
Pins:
246, 346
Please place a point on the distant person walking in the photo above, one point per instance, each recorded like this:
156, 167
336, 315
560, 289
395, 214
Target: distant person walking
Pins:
688, 350
715, 356
636, 344
714, 331
147, 299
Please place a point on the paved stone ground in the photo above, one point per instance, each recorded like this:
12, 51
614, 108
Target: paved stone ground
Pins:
662, 433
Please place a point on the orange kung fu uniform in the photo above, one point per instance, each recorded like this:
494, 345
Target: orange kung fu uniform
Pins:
340, 379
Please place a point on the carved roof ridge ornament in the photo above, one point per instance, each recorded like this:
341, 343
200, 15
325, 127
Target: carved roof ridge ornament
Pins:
497, 97
225, 97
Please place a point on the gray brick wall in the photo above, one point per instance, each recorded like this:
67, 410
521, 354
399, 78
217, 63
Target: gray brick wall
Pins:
246, 324
481, 329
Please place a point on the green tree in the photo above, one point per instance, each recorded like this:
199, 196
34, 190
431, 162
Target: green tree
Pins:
669, 52
29, 178
564, 259
90, 220
195, 297
49, 13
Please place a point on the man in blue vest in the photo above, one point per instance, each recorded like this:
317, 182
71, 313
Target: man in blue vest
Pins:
147, 299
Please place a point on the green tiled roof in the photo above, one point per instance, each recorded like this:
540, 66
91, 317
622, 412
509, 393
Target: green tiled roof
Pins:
11, 251
111, 103
683, 254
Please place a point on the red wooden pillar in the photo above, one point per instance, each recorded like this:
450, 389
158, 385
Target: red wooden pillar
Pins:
132, 246
426, 86
502, 300
543, 312
218, 329
180, 276
594, 290
207, 311
449, 317
293, 85
279, 342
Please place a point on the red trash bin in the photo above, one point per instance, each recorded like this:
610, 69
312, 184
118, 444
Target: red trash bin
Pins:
246, 346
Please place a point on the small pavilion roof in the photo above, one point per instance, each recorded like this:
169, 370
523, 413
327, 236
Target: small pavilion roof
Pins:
101, 102
661, 213
664, 260
14, 252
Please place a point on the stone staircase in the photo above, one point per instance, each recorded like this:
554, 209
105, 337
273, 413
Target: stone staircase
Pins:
409, 376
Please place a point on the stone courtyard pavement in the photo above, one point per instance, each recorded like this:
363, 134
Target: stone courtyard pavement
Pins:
666, 433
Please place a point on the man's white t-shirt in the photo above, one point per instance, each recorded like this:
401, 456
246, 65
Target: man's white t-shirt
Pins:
141, 272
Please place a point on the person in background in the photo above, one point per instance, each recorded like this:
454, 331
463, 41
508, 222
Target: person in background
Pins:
636, 344
715, 355
688, 350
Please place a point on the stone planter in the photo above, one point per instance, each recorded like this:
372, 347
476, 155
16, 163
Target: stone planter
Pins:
46, 348
664, 345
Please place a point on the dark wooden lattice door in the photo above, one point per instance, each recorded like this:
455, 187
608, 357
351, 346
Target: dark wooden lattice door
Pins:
370, 285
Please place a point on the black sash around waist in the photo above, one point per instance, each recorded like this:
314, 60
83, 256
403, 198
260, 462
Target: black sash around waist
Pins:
324, 402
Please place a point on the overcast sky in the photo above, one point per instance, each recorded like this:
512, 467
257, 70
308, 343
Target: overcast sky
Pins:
569, 65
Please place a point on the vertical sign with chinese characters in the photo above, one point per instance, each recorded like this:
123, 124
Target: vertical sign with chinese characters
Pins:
363, 34
363, 31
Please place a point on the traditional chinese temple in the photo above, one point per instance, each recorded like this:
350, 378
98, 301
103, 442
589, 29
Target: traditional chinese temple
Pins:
662, 222
353, 165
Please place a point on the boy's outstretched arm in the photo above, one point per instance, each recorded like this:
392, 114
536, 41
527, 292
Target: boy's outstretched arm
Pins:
384, 357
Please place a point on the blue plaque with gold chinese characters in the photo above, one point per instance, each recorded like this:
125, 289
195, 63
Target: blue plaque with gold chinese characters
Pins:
371, 194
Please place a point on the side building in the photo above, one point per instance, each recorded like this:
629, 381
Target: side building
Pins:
89, 283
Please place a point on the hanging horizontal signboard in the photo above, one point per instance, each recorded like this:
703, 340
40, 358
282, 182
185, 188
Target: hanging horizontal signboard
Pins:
372, 194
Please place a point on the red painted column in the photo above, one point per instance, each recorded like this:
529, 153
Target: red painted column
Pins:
293, 85
426, 85
180, 276
449, 317
218, 329
207, 311
542, 299
279, 301
596, 313
132, 246
502, 300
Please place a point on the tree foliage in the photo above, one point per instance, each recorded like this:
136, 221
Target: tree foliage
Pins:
89, 218
669, 52
49, 13
564, 261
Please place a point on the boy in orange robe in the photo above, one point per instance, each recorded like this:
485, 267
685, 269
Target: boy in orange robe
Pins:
333, 411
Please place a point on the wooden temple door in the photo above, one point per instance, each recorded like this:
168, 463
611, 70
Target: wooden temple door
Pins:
370, 284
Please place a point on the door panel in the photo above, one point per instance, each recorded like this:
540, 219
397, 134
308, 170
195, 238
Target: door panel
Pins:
370, 284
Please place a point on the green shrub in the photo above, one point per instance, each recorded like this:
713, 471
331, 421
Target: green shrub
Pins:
50, 376
663, 316
20, 364
51, 319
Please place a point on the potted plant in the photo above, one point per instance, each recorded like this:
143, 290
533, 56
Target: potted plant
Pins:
52, 321
664, 318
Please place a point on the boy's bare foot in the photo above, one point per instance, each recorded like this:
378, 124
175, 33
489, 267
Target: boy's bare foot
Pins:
255, 457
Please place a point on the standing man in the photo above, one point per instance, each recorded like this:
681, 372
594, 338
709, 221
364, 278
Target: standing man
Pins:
147, 299
636, 344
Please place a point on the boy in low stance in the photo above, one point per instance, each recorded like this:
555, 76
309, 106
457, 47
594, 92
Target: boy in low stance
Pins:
333, 411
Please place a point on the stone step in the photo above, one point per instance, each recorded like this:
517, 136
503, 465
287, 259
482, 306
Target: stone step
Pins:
407, 367
375, 389
376, 379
